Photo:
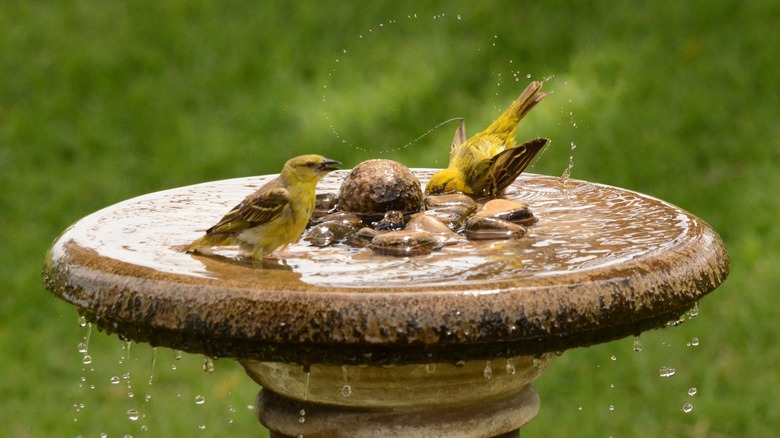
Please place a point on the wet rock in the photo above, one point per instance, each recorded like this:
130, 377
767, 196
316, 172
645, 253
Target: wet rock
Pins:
325, 204
454, 218
362, 237
404, 243
393, 220
332, 229
438, 229
507, 210
454, 200
377, 186
490, 228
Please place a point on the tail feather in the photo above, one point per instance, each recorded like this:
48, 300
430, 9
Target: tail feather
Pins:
506, 124
208, 241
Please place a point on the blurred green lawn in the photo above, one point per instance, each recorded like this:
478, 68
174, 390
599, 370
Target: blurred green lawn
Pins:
102, 101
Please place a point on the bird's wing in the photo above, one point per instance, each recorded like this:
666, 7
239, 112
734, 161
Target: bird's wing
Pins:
258, 208
458, 140
509, 164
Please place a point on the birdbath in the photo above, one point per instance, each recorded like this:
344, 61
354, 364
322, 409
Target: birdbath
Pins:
345, 342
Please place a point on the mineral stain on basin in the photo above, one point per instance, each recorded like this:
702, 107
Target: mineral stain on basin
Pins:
599, 263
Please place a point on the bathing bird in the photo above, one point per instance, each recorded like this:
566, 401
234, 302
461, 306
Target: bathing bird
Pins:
487, 163
274, 215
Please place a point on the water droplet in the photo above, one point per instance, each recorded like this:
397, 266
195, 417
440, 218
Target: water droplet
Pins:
199, 399
537, 362
430, 368
611, 407
231, 408
637, 344
346, 391
82, 347
694, 312
528, 76
202, 426
103, 435
692, 391
687, 408
613, 357
148, 397
177, 354
458, 16
302, 412
694, 342
301, 420
82, 321
208, 365
665, 371
488, 372
510, 367
114, 380
87, 359
132, 414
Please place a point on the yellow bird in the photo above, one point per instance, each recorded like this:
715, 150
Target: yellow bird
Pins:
487, 163
274, 215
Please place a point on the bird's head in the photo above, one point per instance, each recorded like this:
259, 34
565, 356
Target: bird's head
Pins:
308, 168
447, 180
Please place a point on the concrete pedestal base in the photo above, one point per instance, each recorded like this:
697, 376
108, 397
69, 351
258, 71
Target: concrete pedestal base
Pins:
495, 418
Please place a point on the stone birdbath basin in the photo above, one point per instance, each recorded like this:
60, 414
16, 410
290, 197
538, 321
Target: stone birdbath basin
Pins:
345, 342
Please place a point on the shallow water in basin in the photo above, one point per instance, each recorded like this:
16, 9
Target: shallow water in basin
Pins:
581, 226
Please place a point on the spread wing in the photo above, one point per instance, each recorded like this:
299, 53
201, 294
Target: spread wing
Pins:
460, 138
509, 164
256, 209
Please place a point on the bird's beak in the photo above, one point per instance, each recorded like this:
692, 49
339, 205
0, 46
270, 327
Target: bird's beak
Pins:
328, 165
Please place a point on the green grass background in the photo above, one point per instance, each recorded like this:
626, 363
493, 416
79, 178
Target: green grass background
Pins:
102, 101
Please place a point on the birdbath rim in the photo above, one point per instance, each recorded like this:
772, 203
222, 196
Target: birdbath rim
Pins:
122, 270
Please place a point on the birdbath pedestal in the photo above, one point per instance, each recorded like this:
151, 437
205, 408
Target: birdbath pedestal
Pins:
348, 343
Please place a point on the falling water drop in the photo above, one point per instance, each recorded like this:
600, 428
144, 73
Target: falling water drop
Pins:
202, 426
510, 367
115, 380
637, 346
694, 342
687, 408
177, 354
199, 399
692, 391
132, 414
87, 359
346, 391
488, 372
694, 312
666, 371
82, 321
82, 347
208, 365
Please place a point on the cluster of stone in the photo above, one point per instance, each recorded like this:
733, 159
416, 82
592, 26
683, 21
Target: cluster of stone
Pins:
380, 205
